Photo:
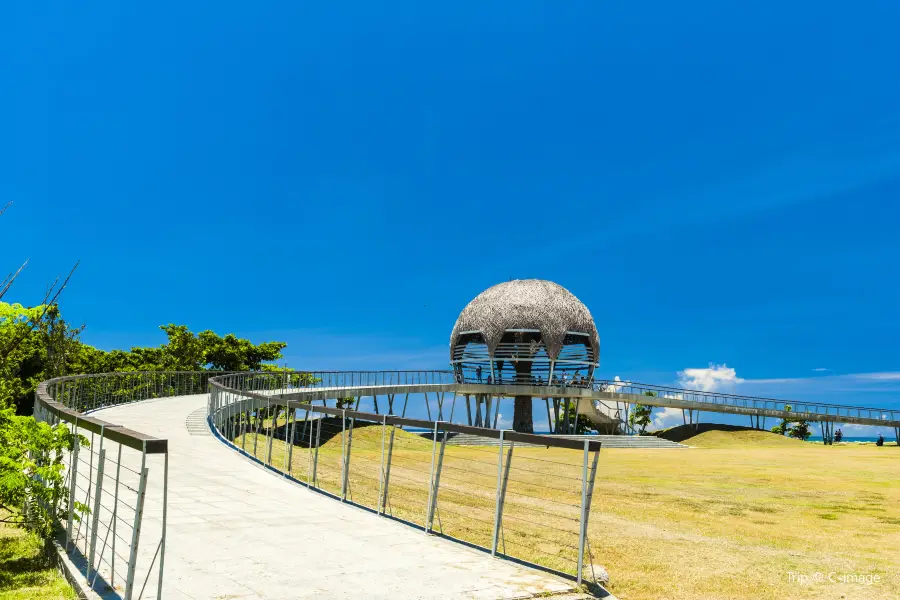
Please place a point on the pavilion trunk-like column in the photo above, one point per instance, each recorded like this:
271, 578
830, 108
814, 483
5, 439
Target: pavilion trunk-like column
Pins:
523, 420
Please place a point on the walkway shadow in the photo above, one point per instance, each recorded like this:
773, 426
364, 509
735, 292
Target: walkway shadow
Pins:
79, 562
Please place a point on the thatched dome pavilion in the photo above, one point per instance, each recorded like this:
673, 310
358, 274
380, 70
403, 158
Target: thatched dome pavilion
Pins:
525, 331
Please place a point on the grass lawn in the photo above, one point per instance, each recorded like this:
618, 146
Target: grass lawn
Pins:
730, 519
24, 575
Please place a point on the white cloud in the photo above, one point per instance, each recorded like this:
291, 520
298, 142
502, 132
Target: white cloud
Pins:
713, 378
859, 377
884, 376
821, 370
667, 417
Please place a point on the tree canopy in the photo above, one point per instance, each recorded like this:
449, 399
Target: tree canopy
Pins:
53, 348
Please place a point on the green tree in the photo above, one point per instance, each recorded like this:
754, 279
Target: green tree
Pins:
581, 423
32, 485
23, 367
231, 353
800, 430
184, 351
640, 415
344, 402
60, 341
784, 427
52, 348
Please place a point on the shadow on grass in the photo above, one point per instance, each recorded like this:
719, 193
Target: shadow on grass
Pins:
27, 568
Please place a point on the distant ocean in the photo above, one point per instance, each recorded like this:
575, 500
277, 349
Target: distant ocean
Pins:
887, 440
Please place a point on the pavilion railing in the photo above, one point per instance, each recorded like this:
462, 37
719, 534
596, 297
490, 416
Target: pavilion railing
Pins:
114, 508
521, 496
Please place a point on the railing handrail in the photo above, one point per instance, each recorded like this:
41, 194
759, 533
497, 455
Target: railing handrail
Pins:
136, 439
127, 437
526, 438
677, 390
685, 394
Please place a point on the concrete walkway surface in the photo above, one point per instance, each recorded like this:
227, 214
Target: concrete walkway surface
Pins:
239, 532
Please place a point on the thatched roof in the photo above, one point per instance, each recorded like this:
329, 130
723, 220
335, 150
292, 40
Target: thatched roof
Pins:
526, 304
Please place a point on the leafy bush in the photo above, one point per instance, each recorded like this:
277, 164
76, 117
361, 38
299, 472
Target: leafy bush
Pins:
32, 480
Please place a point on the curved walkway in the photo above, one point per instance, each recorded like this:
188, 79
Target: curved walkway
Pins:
239, 532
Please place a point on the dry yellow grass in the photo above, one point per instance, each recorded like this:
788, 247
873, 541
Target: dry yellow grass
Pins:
731, 520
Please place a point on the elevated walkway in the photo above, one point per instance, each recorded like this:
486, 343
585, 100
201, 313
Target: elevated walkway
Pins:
612, 394
240, 532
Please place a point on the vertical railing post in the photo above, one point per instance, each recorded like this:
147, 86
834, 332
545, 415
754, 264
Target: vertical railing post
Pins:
115, 514
271, 434
381, 470
98, 489
136, 528
431, 475
315, 458
290, 448
255, 429
587, 493
245, 420
345, 480
502, 479
387, 472
429, 523
73, 474
234, 414
162, 549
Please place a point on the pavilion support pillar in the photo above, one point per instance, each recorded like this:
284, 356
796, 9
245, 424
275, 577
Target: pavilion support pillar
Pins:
555, 415
549, 421
523, 417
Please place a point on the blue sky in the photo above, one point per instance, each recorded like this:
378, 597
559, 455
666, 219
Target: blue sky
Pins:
717, 182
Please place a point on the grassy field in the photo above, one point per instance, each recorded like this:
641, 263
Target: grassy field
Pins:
24, 575
732, 518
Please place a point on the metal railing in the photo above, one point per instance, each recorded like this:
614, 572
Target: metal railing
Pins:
711, 400
117, 482
528, 499
702, 400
